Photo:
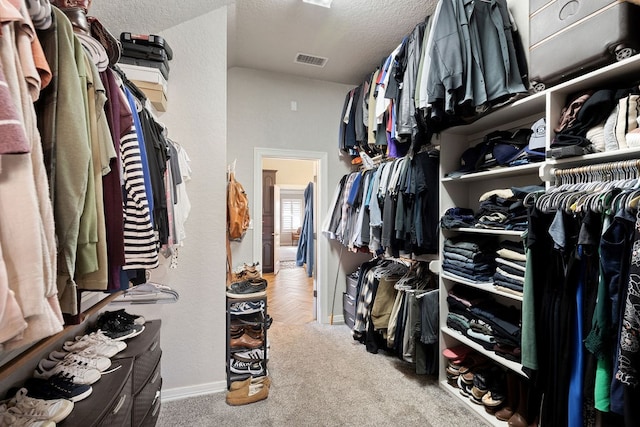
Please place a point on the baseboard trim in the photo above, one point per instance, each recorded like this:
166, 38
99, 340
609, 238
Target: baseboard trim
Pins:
338, 319
180, 393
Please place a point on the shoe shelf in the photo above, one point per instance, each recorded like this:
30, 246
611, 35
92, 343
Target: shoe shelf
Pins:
474, 407
509, 364
487, 287
253, 315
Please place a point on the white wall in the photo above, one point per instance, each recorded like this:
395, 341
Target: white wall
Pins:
259, 115
193, 329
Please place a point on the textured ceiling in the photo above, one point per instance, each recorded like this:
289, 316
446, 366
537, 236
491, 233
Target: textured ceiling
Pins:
355, 35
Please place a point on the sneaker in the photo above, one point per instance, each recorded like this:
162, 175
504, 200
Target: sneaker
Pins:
246, 307
78, 373
57, 387
252, 368
87, 357
11, 417
247, 288
97, 342
255, 355
39, 409
465, 389
119, 331
123, 316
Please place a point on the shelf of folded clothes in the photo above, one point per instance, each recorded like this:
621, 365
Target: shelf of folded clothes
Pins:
458, 336
485, 286
493, 231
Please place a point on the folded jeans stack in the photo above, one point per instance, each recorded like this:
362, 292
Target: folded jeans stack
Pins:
470, 258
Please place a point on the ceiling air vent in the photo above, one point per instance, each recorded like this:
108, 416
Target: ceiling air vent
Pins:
316, 61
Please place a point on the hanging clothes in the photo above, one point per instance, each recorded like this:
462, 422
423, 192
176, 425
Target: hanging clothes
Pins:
305, 253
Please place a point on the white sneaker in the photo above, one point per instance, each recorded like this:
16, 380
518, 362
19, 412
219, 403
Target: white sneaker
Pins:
97, 342
254, 355
86, 357
54, 410
77, 373
11, 417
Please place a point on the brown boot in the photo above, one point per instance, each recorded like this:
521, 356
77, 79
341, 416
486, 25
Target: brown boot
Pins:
511, 401
519, 418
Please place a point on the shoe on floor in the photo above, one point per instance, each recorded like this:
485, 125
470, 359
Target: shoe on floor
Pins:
247, 394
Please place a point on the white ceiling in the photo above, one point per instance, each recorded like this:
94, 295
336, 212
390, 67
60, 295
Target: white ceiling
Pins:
355, 35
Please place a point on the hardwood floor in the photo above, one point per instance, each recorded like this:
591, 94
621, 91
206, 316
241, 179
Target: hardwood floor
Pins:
290, 296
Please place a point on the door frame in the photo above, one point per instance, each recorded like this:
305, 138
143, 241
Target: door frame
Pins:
321, 205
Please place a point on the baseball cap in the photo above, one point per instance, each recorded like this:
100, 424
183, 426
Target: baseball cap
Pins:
457, 353
537, 139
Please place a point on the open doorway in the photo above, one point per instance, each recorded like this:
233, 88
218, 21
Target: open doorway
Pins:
291, 172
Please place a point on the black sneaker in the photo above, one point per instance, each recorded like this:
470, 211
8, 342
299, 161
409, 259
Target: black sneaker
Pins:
247, 288
57, 387
124, 317
119, 331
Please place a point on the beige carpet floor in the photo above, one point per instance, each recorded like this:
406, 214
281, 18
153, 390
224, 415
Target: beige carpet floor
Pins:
322, 377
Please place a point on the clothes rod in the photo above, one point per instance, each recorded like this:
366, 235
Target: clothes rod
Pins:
626, 169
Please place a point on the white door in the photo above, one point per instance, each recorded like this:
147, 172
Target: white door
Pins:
276, 229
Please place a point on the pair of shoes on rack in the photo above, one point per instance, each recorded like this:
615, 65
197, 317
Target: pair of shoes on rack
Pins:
248, 272
248, 288
515, 409
86, 358
120, 325
97, 342
251, 392
243, 368
22, 409
246, 307
250, 356
57, 386
246, 341
77, 372
236, 385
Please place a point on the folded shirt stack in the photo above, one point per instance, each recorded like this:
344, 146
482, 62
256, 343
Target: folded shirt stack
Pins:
457, 218
470, 258
503, 209
510, 268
